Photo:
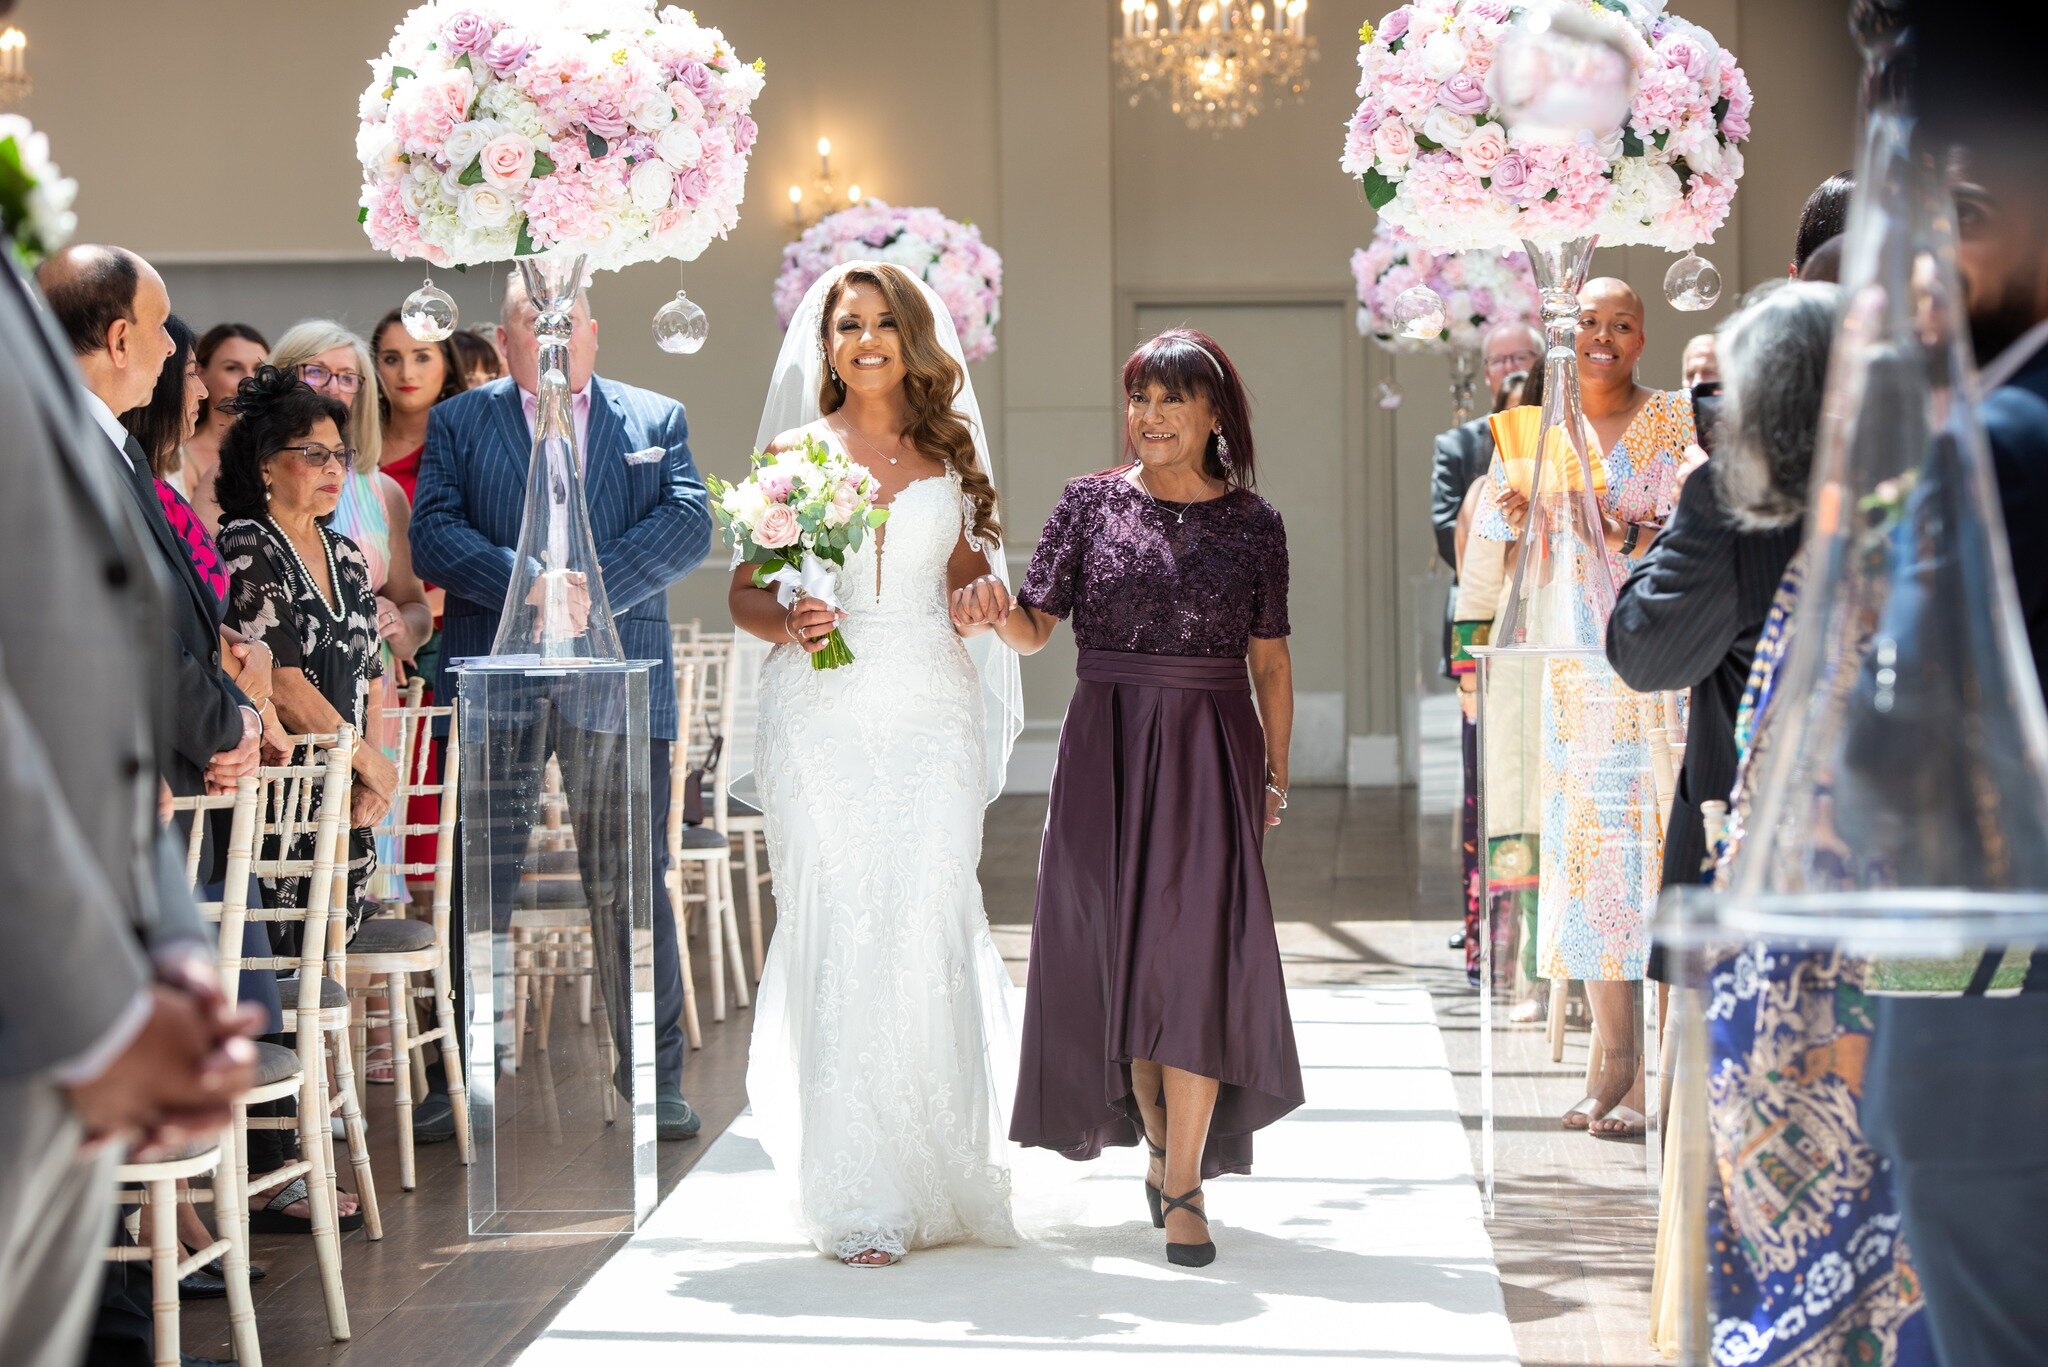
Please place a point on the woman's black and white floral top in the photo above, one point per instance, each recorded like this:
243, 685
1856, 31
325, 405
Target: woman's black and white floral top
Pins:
272, 600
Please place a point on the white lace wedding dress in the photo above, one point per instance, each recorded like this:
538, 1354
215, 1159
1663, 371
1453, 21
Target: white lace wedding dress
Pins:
881, 1012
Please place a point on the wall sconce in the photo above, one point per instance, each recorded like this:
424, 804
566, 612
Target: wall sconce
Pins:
14, 82
807, 207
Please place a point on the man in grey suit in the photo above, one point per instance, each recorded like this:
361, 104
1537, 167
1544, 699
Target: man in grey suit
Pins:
113, 1030
651, 521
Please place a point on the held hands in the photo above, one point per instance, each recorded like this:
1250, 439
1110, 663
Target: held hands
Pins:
230, 766
563, 597
179, 1076
809, 622
981, 605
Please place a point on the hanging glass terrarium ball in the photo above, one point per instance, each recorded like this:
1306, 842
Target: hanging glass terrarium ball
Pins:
1560, 72
428, 313
1418, 314
680, 327
1692, 284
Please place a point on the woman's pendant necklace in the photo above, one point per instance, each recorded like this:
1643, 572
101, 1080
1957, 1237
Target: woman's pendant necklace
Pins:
870, 445
1180, 518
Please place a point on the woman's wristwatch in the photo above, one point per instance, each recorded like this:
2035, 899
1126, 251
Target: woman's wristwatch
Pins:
1635, 534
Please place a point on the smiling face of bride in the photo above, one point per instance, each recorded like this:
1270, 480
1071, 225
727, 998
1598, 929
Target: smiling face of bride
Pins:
863, 342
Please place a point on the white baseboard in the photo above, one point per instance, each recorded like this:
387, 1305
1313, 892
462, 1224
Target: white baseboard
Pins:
1373, 762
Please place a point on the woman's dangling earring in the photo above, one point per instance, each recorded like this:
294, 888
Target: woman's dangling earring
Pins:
1222, 448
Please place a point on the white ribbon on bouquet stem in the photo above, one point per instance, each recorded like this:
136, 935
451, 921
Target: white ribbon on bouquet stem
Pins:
813, 579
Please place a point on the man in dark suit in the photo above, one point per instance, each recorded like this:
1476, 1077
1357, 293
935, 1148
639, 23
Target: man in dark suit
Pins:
114, 1030
112, 307
1957, 1091
651, 521
1691, 610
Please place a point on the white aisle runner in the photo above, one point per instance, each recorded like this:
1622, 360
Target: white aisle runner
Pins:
1357, 1239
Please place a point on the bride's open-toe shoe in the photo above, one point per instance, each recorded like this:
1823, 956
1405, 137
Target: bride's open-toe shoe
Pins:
872, 1257
1152, 1193
1189, 1255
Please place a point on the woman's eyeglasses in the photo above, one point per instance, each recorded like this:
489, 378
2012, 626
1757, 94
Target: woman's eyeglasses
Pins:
320, 377
320, 457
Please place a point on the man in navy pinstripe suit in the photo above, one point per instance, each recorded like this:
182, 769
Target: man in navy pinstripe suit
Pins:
652, 523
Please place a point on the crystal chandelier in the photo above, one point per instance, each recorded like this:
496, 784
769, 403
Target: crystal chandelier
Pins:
1218, 60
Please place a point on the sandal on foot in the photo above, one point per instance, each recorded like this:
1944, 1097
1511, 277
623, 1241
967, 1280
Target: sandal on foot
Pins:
1632, 1123
1154, 1194
1582, 1116
379, 1068
1189, 1255
273, 1220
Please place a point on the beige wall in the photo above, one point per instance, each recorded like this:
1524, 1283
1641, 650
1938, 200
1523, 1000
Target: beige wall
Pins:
1000, 111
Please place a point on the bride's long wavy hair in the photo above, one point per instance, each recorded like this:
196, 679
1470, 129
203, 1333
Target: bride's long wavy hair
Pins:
931, 381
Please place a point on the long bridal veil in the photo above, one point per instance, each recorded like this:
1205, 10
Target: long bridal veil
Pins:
793, 402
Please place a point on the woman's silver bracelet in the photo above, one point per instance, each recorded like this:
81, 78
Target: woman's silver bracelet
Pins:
1278, 792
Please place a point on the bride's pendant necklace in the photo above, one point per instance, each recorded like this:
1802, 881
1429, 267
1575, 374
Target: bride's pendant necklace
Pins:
870, 445
1180, 518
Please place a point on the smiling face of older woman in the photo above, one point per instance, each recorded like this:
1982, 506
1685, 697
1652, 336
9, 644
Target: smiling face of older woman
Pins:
304, 477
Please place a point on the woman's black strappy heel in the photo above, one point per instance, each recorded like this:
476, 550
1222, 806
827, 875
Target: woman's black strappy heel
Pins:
1188, 1255
1152, 1193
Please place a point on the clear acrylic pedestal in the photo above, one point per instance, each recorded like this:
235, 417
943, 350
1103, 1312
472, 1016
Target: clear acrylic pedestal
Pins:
1527, 1067
557, 875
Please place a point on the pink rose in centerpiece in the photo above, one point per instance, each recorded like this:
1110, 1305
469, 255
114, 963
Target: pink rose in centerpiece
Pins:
426, 109
1464, 93
1394, 25
508, 160
507, 52
777, 528
1394, 142
466, 31
1510, 176
1484, 151
605, 116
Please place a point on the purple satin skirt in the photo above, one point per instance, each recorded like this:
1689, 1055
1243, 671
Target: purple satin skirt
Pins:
1153, 935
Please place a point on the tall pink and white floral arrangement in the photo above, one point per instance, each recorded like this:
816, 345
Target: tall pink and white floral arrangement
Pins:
1435, 158
498, 129
962, 269
1480, 290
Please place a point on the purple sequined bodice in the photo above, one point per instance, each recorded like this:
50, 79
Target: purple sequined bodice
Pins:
1134, 578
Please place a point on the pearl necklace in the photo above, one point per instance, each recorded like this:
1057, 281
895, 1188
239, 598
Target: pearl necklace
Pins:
333, 579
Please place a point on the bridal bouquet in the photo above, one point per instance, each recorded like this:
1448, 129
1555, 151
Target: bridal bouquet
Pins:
950, 257
1435, 158
499, 129
1480, 290
35, 201
795, 518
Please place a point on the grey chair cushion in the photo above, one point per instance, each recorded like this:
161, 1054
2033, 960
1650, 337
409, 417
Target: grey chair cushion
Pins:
550, 892
392, 935
274, 1063
702, 838
332, 993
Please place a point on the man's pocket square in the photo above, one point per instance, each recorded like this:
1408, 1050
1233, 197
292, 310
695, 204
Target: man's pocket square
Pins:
648, 457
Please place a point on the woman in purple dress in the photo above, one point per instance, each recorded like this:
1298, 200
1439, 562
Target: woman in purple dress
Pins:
1156, 1004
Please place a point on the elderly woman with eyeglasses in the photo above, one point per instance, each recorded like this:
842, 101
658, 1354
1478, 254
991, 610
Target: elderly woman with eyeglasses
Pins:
302, 588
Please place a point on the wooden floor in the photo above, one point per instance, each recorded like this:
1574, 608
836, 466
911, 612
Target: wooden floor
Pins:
1365, 890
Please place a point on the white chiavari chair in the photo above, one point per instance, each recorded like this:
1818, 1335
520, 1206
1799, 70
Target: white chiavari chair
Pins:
290, 818
388, 952
708, 658
157, 1180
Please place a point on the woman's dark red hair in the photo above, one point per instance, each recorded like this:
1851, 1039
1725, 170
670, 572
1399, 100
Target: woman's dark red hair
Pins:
1188, 361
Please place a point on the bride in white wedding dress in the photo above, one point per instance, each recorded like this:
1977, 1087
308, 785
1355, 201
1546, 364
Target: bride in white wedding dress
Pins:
882, 1044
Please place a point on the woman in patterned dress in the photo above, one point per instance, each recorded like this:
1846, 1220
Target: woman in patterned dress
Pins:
1602, 827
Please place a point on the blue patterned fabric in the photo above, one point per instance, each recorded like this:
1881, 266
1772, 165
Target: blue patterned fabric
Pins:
1807, 1264
651, 519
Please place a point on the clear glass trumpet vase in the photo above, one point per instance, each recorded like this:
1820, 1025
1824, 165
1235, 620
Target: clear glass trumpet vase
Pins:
556, 607
1562, 591
1902, 784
